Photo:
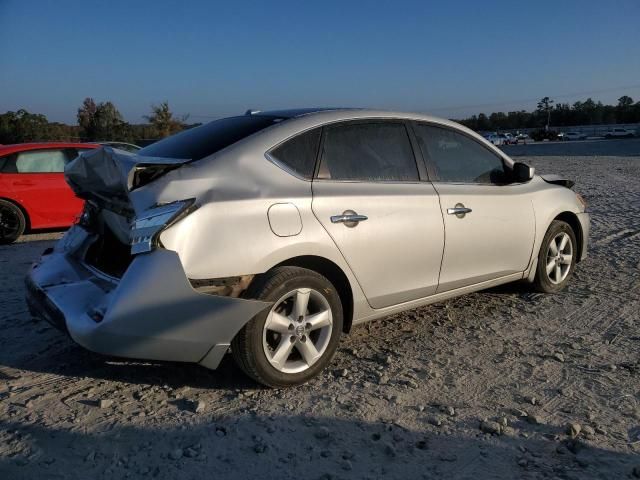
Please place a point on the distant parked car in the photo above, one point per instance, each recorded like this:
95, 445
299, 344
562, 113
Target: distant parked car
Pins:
522, 137
33, 192
509, 139
541, 135
128, 147
495, 139
619, 133
572, 136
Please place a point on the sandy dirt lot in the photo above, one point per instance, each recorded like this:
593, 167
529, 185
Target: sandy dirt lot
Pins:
500, 384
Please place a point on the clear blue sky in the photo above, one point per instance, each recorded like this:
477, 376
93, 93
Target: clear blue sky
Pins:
207, 58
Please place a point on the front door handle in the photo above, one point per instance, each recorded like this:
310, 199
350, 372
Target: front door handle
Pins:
349, 218
459, 210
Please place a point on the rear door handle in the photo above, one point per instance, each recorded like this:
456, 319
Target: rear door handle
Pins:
349, 218
459, 210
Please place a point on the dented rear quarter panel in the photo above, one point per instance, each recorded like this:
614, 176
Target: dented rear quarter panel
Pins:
229, 234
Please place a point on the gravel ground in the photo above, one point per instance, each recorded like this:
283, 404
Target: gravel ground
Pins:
499, 384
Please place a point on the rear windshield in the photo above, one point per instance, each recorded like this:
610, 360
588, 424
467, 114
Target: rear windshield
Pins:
200, 142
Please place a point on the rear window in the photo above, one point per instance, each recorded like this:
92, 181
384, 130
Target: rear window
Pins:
200, 142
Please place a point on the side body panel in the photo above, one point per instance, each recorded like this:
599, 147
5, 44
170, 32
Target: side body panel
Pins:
46, 197
493, 240
396, 253
549, 201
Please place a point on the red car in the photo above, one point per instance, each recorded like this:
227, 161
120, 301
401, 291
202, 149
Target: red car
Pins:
33, 191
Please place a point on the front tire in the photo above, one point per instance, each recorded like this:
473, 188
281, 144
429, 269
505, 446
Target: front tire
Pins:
299, 335
12, 222
557, 258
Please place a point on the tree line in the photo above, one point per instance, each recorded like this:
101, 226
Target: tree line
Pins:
95, 122
103, 122
550, 113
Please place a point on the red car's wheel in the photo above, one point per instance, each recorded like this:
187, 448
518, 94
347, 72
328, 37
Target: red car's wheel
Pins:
12, 222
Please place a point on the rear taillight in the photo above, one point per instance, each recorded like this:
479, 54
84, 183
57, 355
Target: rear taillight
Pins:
147, 226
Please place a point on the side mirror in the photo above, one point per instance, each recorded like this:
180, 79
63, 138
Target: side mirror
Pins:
522, 172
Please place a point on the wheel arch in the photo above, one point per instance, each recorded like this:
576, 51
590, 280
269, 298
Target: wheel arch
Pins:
572, 219
27, 220
334, 274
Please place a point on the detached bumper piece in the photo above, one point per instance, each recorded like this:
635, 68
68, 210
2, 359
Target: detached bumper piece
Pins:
151, 313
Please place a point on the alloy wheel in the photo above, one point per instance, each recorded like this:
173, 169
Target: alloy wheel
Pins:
559, 258
297, 330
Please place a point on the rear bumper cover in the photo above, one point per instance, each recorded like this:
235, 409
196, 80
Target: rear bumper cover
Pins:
150, 313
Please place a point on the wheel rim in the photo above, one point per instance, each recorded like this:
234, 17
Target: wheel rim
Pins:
9, 223
297, 330
559, 258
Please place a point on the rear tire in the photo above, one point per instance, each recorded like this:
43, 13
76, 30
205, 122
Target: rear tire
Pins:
299, 335
556, 259
12, 222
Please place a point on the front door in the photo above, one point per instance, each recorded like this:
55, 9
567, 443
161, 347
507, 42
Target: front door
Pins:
489, 223
385, 221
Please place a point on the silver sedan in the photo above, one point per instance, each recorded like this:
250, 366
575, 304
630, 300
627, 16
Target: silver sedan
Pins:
273, 233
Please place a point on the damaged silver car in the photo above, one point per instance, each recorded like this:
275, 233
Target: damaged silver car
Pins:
273, 233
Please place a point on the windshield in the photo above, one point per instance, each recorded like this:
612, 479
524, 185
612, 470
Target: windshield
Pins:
200, 142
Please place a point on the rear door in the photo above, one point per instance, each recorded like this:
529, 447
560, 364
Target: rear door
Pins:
36, 178
489, 224
379, 209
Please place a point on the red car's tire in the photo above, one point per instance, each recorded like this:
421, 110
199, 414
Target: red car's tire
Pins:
12, 222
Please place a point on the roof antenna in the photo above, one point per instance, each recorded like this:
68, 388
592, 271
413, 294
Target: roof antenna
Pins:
252, 112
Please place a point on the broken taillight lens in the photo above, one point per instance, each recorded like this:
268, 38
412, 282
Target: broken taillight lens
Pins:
147, 227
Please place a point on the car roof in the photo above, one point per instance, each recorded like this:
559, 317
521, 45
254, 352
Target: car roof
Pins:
295, 112
20, 147
326, 115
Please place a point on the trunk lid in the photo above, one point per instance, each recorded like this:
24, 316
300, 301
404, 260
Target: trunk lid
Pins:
107, 176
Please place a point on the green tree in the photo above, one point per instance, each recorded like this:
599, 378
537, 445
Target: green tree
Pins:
625, 101
22, 126
544, 107
163, 120
483, 122
102, 121
87, 118
109, 123
625, 110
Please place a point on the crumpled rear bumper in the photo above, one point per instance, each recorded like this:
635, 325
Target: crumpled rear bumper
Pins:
150, 313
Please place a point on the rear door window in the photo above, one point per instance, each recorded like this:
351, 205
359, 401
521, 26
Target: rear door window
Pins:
456, 158
38, 161
376, 151
299, 153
